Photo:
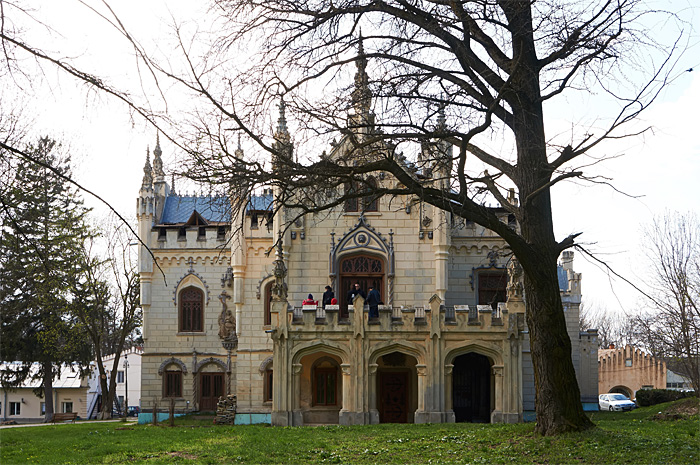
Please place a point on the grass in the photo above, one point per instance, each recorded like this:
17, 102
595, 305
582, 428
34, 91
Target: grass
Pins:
638, 437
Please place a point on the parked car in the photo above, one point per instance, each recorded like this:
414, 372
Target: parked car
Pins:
615, 402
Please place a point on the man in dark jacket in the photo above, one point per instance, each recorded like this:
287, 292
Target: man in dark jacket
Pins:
373, 299
327, 296
354, 292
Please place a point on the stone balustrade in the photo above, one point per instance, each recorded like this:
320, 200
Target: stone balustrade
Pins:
457, 317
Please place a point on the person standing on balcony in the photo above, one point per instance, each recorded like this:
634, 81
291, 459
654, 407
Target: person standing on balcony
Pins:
327, 297
354, 292
373, 300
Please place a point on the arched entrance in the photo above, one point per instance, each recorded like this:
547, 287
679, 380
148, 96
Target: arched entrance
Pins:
397, 387
471, 388
624, 390
368, 270
321, 388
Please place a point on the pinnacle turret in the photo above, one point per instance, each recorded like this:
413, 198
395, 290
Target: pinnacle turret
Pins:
157, 160
361, 95
147, 182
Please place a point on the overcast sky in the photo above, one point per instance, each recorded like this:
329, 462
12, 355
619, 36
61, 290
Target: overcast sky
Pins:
661, 169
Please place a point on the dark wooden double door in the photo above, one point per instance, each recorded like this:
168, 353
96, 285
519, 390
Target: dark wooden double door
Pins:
393, 396
471, 389
211, 387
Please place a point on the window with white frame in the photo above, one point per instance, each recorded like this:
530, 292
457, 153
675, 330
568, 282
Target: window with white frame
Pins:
14, 408
120, 376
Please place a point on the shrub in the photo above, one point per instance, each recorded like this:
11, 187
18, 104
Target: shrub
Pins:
646, 397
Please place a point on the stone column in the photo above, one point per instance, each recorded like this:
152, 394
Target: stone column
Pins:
372, 393
421, 417
449, 412
297, 417
349, 406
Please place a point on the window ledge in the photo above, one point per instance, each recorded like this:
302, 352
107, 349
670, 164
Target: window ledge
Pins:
191, 333
362, 213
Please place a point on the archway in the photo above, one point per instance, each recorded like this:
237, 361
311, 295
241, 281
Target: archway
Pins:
471, 388
397, 388
624, 390
368, 270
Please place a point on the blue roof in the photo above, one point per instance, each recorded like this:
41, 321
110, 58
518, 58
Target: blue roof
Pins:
179, 209
563, 278
260, 202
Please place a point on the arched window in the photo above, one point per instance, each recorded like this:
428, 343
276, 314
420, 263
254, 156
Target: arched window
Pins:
172, 382
191, 309
267, 386
370, 203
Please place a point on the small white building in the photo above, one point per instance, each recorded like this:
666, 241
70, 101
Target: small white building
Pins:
71, 393
128, 376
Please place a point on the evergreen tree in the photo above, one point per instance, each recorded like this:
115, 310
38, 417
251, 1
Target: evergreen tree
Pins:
43, 230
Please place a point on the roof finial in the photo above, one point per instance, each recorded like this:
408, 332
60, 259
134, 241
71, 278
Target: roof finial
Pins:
441, 121
172, 184
157, 161
361, 96
239, 151
147, 172
282, 120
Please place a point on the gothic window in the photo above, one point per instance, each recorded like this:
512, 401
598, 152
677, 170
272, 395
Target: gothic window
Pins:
172, 383
492, 288
191, 309
369, 203
267, 386
267, 316
362, 265
325, 385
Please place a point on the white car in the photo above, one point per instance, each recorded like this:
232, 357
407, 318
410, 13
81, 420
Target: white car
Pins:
615, 402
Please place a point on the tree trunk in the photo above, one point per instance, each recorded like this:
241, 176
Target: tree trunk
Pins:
48, 392
558, 399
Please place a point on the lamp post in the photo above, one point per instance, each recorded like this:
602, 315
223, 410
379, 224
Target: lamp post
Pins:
126, 385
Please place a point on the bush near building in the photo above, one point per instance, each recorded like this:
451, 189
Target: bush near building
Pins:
646, 397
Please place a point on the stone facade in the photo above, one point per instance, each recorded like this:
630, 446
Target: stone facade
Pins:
222, 308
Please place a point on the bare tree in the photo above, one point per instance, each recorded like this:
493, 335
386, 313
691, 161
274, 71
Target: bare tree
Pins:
440, 75
671, 326
114, 316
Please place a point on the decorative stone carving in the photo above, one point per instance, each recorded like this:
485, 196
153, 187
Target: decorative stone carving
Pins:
174, 360
515, 279
279, 288
227, 321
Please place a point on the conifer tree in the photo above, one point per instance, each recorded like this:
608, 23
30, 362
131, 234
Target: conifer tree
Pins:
43, 229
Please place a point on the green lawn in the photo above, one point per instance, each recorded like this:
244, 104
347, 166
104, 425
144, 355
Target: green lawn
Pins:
631, 437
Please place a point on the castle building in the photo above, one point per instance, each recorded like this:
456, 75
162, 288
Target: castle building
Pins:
222, 299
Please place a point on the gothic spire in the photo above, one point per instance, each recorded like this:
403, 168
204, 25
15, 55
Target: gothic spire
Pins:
361, 95
239, 151
172, 184
282, 122
157, 161
147, 182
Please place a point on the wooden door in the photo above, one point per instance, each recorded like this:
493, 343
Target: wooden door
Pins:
365, 269
393, 397
211, 388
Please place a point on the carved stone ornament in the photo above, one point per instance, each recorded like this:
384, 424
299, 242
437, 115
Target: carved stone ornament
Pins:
515, 278
227, 321
279, 288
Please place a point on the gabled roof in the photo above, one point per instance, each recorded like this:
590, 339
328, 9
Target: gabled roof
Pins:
180, 209
69, 377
